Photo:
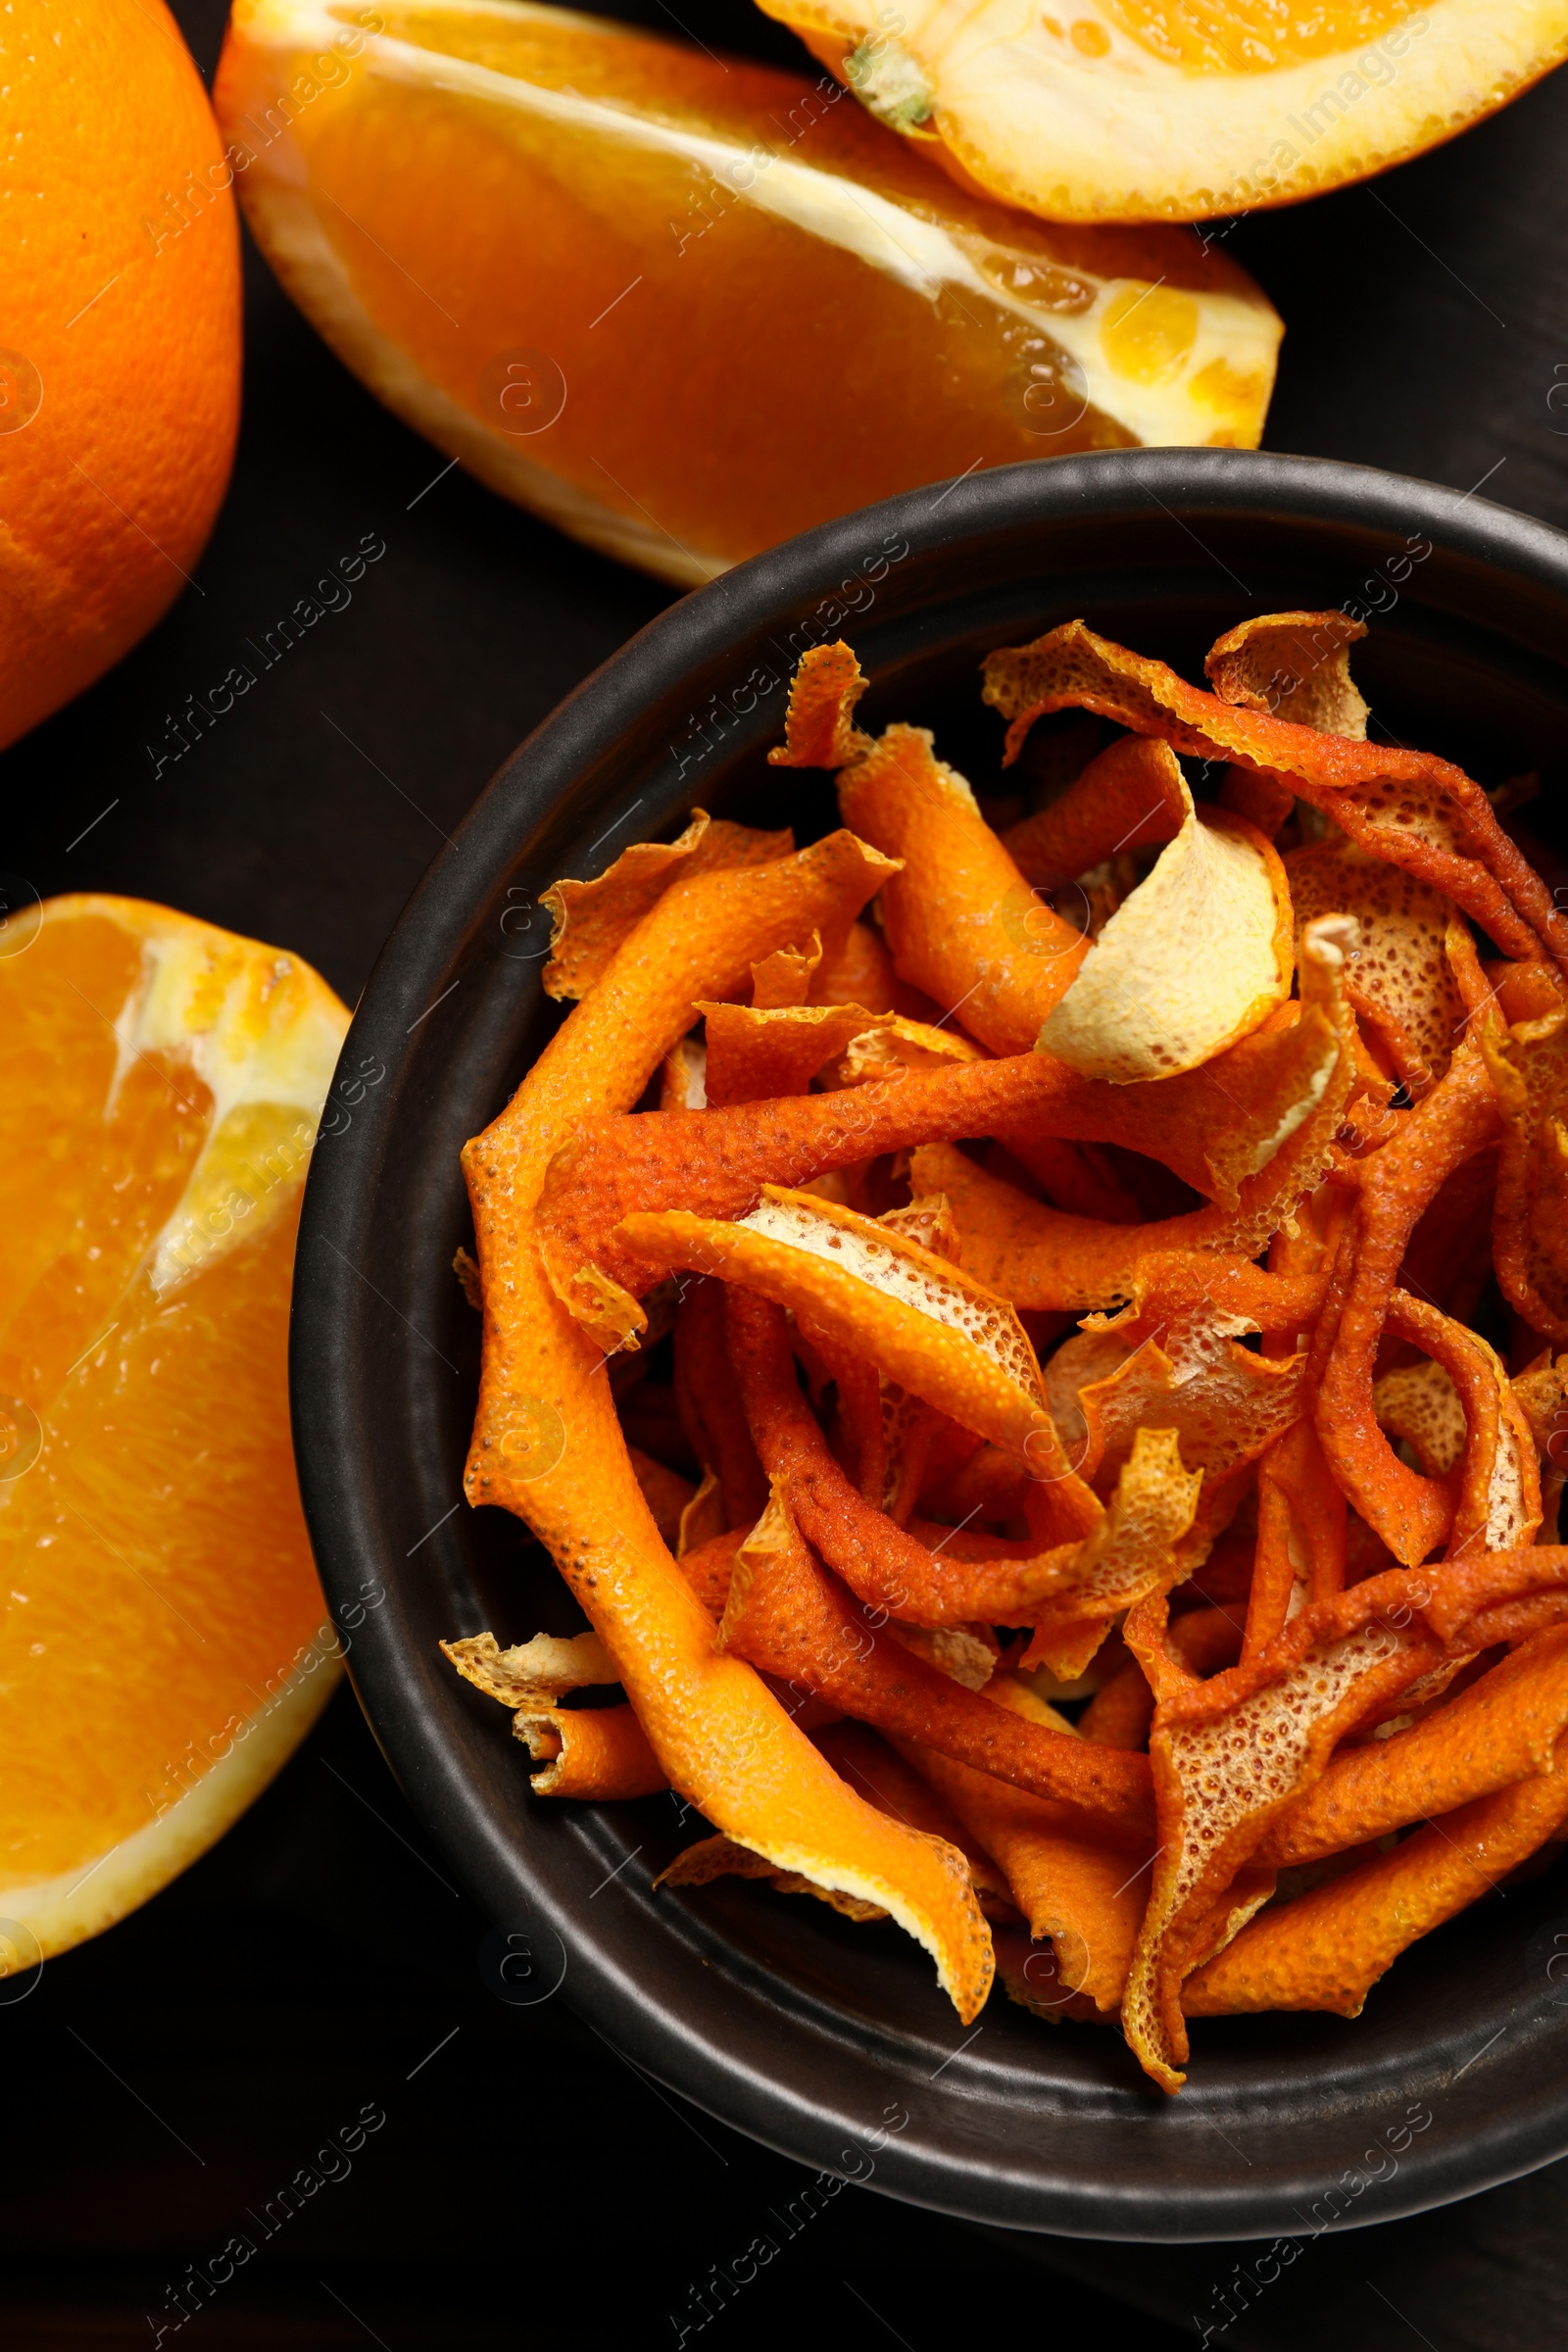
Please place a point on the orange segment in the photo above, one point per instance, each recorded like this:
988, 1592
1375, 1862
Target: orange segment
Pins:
1176, 109
161, 1646
548, 242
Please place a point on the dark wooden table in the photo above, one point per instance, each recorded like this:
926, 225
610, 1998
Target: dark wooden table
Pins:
319, 1970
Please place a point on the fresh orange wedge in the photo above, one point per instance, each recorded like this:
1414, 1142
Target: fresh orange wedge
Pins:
1176, 109
685, 307
161, 1636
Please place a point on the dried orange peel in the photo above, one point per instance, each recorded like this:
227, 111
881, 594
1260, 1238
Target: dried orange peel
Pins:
1417, 811
546, 1443
1193, 960
853, 1570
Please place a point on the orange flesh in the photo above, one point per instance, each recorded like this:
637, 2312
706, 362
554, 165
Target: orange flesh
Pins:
157, 1577
609, 262
1251, 37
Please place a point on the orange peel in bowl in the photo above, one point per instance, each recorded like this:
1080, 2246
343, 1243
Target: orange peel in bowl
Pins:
926, 1503
1196, 958
1417, 811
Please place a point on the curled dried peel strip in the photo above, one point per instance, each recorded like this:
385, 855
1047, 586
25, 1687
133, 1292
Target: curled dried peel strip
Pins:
818, 725
599, 1754
1262, 1119
1042, 1258
1194, 959
547, 1667
888, 1567
1325, 1950
592, 919
1498, 1502
1418, 811
895, 1044
1273, 1103
546, 1443
1503, 1728
784, 978
788, 1615
1228, 1755
963, 923
714, 1858
1217, 1781
1295, 665
922, 1323
1130, 796
1418, 1405
887, 1779
1136, 1550
683, 1077
667, 1493
1529, 1066
1223, 1402
1086, 1895
1289, 1513
709, 1411
1396, 1184
757, 1053
1401, 980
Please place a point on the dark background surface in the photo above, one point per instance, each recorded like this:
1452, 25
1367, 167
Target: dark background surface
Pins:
526, 2183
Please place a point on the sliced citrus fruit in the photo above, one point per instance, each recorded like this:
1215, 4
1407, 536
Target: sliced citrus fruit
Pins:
1177, 110
685, 305
162, 1644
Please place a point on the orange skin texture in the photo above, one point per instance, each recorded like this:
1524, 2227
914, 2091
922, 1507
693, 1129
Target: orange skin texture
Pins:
715, 1164
1503, 1728
602, 1755
1128, 798
708, 1568
1085, 1893
1426, 1614
110, 490
593, 919
1366, 788
884, 1564
1398, 1184
961, 922
892, 1783
1327, 1949
963, 925
1121, 1710
719, 1736
1042, 1258
1293, 1492
711, 1409
945, 1367
789, 1616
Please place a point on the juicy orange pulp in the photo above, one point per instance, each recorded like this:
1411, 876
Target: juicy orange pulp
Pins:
1178, 110
160, 1618
1250, 36
691, 306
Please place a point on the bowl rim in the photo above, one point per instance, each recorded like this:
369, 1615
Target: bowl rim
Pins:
1522, 2122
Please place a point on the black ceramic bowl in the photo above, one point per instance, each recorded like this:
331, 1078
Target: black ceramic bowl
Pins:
827, 2040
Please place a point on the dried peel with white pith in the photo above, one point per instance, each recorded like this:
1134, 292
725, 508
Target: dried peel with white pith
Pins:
920, 1320
1196, 958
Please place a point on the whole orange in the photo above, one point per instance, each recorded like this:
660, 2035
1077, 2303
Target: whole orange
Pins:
119, 337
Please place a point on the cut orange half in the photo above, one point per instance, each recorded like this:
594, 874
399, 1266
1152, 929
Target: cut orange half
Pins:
685, 307
162, 1637
1177, 110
